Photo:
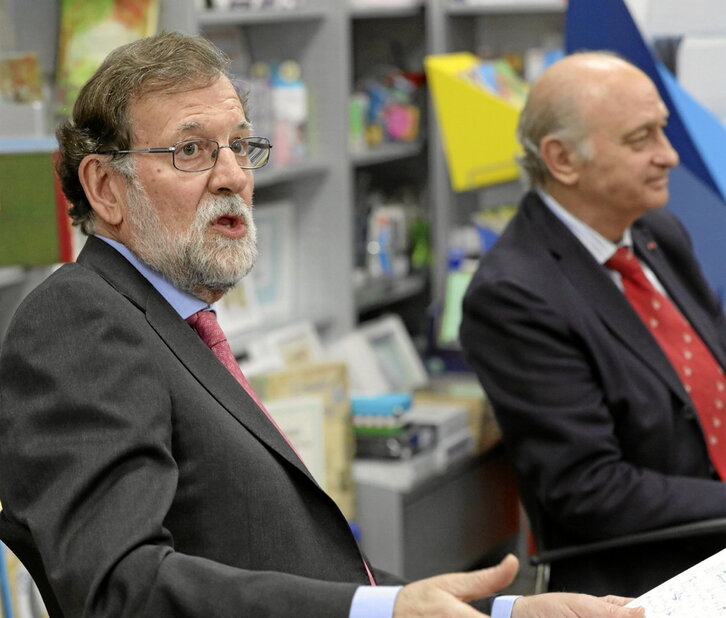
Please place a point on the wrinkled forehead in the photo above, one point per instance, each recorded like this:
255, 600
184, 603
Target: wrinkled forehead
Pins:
175, 114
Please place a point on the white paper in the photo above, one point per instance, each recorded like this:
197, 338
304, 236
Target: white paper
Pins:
698, 591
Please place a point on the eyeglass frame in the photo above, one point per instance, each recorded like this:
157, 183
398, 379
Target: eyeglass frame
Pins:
173, 148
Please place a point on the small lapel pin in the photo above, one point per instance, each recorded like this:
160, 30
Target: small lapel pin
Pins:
652, 245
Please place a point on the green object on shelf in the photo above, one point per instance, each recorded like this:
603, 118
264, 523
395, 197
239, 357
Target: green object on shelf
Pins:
378, 431
420, 239
28, 215
456, 283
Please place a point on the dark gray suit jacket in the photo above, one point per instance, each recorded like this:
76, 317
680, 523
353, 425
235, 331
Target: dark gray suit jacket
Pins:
603, 436
151, 482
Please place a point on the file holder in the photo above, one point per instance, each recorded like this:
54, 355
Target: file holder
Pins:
478, 128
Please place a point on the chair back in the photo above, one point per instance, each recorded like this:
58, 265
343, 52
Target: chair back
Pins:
20, 541
537, 536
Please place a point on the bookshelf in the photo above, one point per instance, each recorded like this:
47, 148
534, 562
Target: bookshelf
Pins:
335, 43
486, 28
389, 40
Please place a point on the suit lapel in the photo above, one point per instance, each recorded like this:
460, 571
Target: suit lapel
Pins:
214, 377
185, 345
601, 295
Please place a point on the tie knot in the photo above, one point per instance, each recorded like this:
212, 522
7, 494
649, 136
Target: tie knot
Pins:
207, 327
624, 262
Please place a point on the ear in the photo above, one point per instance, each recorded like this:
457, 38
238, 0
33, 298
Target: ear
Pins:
104, 188
561, 159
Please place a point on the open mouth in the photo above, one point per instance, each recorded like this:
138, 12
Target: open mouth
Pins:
230, 225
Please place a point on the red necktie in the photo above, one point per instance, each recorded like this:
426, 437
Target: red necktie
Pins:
209, 330
697, 368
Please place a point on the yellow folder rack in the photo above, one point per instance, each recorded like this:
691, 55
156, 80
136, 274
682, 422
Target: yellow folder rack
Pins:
478, 128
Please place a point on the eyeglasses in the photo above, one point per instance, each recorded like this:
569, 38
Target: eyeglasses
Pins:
199, 155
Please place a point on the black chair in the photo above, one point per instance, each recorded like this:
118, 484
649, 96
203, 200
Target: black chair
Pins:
545, 556
20, 541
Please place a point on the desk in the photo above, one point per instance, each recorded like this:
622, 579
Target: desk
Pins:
448, 522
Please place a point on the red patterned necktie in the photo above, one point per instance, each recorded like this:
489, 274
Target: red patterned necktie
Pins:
696, 366
211, 333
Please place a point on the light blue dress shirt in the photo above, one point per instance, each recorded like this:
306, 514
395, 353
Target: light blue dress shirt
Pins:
378, 601
368, 601
599, 247
374, 601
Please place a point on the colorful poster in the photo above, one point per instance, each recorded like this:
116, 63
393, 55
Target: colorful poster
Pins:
20, 78
89, 31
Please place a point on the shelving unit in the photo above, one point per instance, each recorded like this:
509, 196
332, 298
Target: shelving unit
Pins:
386, 153
322, 260
389, 39
487, 29
503, 7
335, 44
238, 16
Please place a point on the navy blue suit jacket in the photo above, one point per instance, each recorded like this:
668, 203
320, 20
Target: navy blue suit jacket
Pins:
601, 432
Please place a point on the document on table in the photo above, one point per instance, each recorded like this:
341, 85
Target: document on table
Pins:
698, 591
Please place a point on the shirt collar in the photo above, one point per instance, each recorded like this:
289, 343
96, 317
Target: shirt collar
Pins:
184, 304
600, 247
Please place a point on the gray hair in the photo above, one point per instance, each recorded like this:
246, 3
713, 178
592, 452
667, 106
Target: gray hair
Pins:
166, 62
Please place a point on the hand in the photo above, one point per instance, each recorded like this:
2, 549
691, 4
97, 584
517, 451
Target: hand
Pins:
565, 605
448, 595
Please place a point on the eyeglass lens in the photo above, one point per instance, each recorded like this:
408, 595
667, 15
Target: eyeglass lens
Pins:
201, 154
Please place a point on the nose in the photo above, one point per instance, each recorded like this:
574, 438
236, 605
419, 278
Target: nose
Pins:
667, 156
227, 177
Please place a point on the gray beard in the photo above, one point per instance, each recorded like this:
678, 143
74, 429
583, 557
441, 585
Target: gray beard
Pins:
193, 260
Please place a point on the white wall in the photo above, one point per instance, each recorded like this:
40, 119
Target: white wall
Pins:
702, 52
674, 17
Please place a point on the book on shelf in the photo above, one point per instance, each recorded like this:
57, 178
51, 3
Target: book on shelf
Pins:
35, 229
89, 31
329, 381
381, 357
20, 78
